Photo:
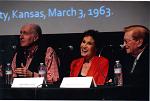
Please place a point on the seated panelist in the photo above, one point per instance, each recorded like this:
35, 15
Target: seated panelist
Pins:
31, 53
89, 64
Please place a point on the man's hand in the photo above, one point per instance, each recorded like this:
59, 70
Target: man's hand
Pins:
23, 72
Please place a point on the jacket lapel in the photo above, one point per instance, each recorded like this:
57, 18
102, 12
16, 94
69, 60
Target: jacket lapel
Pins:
78, 67
93, 67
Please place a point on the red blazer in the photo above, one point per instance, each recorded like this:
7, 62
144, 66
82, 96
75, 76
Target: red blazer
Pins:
98, 69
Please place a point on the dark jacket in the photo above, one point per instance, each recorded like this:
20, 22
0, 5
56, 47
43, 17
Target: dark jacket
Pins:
140, 75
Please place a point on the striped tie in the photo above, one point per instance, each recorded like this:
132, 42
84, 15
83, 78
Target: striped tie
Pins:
133, 67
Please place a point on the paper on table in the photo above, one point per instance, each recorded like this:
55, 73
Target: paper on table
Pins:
77, 82
27, 82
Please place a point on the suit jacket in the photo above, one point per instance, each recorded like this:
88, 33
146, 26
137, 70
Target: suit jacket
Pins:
98, 69
140, 75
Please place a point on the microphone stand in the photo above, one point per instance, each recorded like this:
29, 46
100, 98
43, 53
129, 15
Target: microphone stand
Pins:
112, 58
44, 85
103, 49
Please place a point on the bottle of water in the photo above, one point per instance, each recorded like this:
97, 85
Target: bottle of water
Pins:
8, 74
43, 72
118, 79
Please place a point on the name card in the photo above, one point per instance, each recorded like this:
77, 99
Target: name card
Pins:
27, 82
78, 82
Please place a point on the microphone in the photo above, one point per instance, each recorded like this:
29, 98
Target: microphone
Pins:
116, 46
13, 47
69, 47
121, 46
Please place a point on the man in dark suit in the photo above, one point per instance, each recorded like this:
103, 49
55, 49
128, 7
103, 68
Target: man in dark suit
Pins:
136, 41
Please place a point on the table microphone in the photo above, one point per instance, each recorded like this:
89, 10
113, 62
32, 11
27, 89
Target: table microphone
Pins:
121, 46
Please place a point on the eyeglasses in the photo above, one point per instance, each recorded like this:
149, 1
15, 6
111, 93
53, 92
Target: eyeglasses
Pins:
127, 41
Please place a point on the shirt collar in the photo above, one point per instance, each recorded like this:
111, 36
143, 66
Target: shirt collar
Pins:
137, 58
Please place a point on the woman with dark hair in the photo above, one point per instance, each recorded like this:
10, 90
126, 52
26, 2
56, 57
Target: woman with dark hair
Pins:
90, 64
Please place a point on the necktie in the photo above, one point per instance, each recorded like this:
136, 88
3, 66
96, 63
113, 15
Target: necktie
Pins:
133, 67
